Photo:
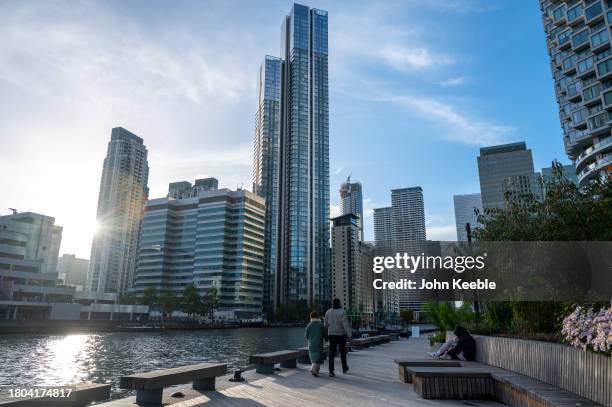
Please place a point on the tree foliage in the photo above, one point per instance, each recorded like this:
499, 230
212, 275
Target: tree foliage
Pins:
149, 296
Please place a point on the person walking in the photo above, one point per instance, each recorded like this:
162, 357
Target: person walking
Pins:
315, 338
338, 331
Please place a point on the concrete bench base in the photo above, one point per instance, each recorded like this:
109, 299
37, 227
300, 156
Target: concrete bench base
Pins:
264, 362
149, 386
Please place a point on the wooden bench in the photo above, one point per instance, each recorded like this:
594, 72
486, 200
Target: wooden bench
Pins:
265, 361
82, 395
406, 377
149, 386
452, 382
477, 381
515, 389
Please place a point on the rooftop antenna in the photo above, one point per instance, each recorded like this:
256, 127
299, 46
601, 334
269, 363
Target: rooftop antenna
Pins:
239, 187
13, 210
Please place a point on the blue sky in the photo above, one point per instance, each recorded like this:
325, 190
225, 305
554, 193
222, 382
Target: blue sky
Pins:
416, 89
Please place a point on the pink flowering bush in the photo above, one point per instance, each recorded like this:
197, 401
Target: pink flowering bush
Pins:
589, 330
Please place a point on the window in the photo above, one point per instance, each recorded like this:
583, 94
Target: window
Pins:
603, 68
591, 93
599, 38
559, 12
564, 36
580, 38
585, 65
574, 12
593, 11
607, 98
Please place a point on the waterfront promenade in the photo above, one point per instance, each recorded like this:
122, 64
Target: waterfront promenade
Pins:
372, 381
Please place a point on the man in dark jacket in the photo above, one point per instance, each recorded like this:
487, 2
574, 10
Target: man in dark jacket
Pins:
463, 347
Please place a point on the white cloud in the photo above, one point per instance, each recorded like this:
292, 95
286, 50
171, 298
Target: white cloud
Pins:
442, 233
410, 59
457, 81
459, 126
334, 210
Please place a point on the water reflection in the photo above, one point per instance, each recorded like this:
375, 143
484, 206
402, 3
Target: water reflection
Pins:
62, 359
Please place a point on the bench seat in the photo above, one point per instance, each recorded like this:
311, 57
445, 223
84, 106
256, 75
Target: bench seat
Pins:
149, 386
265, 361
478, 381
405, 377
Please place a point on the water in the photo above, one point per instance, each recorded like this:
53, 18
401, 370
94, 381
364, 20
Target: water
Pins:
35, 360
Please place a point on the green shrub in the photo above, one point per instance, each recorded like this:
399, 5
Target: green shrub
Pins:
446, 316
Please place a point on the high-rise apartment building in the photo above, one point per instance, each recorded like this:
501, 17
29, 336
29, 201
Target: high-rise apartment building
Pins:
32, 237
184, 189
408, 214
351, 201
578, 42
214, 238
123, 194
383, 225
291, 163
506, 171
72, 271
465, 212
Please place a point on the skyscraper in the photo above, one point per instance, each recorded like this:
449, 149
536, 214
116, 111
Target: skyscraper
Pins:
578, 42
123, 194
506, 171
383, 226
291, 163
266, 170
209, 238
465, 206
351, 201
408, 214
72, 271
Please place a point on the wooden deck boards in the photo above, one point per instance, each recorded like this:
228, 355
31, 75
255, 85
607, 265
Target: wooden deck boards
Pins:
371, 381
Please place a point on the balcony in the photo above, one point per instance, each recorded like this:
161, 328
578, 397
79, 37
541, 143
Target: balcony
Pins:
603, 164
594, 149
591, 94
598, 124
594, 13
558, 15
575, 15
580, 40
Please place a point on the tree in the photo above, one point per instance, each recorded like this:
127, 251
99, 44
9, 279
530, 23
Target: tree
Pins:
210, 302
567, 213
149, 296
191, 302
169, 302
128, 299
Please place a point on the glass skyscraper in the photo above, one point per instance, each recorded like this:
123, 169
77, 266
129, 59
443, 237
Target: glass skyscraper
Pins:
291, 164
506, 172
465, 206
208, 238
578, 42
123, 194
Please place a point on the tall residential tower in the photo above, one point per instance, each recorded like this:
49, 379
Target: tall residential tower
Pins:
351, 201
123, 194
578, 42
291, 163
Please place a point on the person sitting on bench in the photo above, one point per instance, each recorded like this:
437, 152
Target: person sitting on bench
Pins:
462, 347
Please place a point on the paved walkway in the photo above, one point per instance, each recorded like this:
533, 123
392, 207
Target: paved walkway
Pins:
371, 381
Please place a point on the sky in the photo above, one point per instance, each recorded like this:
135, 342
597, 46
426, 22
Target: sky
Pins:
416, 88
